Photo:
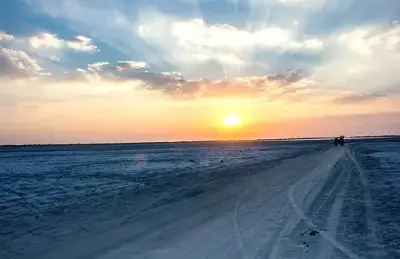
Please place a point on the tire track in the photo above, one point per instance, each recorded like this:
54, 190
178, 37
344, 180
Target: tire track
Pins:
367, 197
373, 240
328, 237
332, 222
310, 186
277, 200
321, 207
245, 253
290, 223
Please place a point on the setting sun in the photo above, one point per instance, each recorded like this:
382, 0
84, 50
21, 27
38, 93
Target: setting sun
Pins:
231, 120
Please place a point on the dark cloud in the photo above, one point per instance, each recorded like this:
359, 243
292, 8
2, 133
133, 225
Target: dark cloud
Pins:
175, 85
207, 88
287, 79
356, 98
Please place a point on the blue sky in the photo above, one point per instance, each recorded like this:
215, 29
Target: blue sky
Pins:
319, 52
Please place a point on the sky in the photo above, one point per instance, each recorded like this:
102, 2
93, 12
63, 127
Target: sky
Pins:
86, 71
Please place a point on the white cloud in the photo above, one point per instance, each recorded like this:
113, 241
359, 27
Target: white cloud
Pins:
120, 66
188, 42
46, 40
6, 36
44, 47
364, 58
82, 43
196, 34
125, 65
17, 64
174, 74
123, 71
312, 45
98, 66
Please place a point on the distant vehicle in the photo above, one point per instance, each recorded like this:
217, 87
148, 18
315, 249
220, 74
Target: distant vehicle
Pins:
339, 141
336, 141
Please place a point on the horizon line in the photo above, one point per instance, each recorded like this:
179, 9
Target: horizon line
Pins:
204, 141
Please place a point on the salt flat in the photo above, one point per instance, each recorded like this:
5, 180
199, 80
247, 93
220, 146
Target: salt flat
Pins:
303, 200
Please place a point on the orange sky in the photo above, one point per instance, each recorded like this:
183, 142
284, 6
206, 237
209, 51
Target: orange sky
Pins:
149, 116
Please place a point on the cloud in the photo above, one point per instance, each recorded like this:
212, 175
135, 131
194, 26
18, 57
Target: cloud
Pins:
82, 43
16, 64
45, 40
98, 66
54, 58
120, 66
6, 36
126, 65
174, 84
47, 46
98, 71
187, 43
358, 97
359, 55
364, 58
290, 77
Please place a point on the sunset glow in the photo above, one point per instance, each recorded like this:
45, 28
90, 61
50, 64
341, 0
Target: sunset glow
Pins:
196, 70
231, 120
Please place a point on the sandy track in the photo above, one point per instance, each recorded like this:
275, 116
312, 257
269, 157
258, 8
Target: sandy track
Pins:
295, 210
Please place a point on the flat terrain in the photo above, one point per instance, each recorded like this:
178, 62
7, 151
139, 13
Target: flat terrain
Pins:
240, 200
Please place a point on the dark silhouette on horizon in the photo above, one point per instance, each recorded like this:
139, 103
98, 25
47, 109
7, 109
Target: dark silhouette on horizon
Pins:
339, 141
336, 141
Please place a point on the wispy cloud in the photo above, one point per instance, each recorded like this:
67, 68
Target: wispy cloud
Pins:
82, 43
47, 40
359, 97
47, 46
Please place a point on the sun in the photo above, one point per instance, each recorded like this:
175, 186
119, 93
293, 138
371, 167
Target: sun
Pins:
231, 120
